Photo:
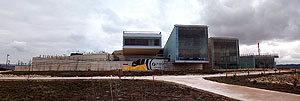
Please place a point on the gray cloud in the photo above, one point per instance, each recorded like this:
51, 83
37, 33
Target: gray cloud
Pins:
252, 21
19, 46
29, 28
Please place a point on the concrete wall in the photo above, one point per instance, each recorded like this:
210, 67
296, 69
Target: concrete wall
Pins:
68, 59
77, 66
87, 62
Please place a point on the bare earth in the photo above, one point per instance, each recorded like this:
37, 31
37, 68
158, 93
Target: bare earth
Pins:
197, 81
280, 79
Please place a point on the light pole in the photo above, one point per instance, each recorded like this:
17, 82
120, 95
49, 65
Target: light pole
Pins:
248, 68
7, 60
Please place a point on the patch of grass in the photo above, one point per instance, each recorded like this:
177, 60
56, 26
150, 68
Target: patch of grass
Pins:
243, 81
100, 90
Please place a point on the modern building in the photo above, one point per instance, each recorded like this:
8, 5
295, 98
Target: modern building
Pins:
187, 47
258, 61
188, 44
224, 53
141, 45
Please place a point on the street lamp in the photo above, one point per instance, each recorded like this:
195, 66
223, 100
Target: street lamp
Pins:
7, 60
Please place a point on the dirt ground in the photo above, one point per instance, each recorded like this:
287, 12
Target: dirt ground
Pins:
101, 90
290, 79
116, 73
283, 82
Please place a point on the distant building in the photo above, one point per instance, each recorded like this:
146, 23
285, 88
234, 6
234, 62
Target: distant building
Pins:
224, 53
290, 66
258, 61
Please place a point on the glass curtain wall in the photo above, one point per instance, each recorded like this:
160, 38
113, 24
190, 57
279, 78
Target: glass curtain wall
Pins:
225, 53
192, 43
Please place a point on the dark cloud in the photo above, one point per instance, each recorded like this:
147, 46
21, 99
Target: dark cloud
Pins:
252, 21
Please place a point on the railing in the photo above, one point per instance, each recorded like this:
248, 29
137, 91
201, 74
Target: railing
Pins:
261, 54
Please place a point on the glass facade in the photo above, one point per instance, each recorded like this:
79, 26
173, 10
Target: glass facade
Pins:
190, 40
247, 62
187, 44
264, 61
142, 42
225, 53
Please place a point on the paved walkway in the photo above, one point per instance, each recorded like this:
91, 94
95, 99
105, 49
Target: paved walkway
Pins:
197, 81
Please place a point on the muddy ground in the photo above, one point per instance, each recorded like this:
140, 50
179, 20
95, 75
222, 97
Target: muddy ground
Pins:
283, 82
101, 90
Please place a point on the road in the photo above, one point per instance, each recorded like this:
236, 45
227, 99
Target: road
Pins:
197, 81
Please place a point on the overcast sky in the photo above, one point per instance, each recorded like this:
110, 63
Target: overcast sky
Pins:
31, 28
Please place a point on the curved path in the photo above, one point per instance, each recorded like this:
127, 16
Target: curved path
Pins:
197, 81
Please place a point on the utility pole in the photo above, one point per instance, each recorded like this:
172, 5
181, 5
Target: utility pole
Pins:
258, 49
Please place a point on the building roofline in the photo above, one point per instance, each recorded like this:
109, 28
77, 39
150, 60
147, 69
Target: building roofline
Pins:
141, 32
223, 38
181, 25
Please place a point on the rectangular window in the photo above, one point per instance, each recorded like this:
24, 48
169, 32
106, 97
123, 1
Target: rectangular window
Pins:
156, 42
142, 42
